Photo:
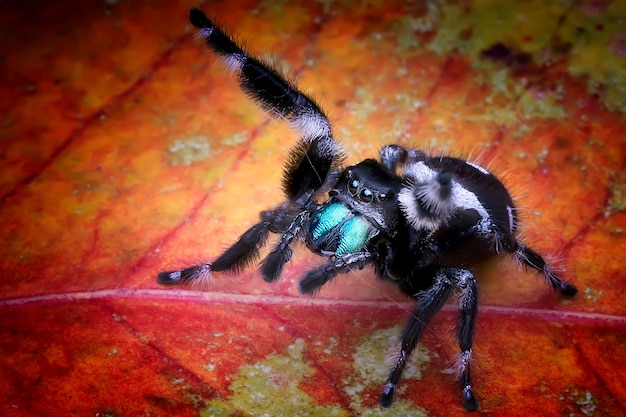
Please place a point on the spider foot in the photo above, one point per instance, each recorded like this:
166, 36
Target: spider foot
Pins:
315, 279
189, 275
568, 290
469, 400
386, 398
272, 265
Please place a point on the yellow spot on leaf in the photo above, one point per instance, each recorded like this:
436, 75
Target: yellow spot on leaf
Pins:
187, 151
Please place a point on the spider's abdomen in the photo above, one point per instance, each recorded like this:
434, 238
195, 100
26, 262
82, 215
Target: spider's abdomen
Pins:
335, 230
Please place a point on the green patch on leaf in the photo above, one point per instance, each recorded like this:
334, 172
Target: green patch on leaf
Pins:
371, 359
365, 104
235, 139
582, 401
188, 151
371, 362
598, 49
591, 43
617, 200
544, 106
272, 388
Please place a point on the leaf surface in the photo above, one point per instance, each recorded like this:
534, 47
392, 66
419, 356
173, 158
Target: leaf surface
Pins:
126, 150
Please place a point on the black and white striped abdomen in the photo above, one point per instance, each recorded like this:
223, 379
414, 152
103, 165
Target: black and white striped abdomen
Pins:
441, 188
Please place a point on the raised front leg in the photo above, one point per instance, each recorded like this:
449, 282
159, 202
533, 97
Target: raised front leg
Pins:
311, 164
317, 153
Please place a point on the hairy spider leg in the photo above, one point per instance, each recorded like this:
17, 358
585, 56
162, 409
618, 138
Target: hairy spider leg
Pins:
245, 251
531, 259
316, 278
429, 302
272, 265
235, 258
241, 253
468, 307
317, 152
189, 275
394, 156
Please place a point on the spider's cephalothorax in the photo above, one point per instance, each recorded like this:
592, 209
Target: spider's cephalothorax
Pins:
421, 221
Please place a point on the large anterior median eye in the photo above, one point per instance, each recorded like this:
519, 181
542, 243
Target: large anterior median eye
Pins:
366, 195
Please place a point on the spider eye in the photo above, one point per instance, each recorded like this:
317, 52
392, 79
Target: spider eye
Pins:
383, 197
366, 195
352, 186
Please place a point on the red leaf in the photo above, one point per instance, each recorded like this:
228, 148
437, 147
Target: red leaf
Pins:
126, 151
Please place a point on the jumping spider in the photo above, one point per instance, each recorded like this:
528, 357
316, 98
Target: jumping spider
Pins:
420, 221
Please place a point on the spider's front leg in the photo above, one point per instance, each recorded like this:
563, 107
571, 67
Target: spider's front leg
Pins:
241, 253
317, 153
317, 277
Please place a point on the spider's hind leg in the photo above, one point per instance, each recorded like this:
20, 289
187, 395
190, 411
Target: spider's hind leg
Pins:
394, 156
468, 307
531, 259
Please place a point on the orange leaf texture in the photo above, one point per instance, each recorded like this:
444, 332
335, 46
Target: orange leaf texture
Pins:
126, 148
